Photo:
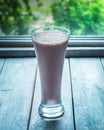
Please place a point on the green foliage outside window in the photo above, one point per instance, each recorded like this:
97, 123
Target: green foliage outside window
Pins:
81, 16
11, 19
18, 16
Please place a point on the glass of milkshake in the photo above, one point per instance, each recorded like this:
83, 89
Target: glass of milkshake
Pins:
50, 46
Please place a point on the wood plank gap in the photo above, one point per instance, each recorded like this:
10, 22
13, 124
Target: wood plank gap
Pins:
73, 111
64, 123
2, 66
28, 123
102, 63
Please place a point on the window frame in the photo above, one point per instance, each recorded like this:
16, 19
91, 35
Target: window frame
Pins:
78, 46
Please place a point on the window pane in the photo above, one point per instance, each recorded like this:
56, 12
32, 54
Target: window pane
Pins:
82, 17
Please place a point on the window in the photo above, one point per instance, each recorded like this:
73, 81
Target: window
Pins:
85, 19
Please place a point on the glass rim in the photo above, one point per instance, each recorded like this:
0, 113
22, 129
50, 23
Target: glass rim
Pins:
50, 27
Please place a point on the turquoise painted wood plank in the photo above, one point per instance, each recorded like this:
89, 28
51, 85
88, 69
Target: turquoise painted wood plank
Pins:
16, 86
88, 93
2, 60
66, 122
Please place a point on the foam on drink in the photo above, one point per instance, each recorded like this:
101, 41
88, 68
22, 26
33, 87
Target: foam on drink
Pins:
50, 37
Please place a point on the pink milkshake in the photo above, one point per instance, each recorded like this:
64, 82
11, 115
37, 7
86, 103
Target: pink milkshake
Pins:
50, 46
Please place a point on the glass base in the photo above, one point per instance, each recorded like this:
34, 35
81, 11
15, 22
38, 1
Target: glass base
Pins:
51, 112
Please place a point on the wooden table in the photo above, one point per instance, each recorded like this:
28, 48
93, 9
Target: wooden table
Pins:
82, 95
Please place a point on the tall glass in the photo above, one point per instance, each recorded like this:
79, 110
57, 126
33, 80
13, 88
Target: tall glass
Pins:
50, 44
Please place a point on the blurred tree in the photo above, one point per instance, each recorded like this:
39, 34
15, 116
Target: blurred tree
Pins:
81, 16
39, 3
11, 19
